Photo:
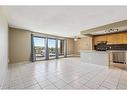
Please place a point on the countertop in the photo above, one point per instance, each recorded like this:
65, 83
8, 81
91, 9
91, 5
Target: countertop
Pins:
117, 50
93, 51
108, 51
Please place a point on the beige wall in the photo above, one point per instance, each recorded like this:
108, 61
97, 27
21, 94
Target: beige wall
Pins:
19, 45
85, 43
3, 46
70, 46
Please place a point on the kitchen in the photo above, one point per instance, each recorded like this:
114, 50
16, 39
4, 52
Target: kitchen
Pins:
109, 45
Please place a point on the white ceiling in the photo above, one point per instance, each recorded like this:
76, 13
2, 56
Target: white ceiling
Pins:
63, 20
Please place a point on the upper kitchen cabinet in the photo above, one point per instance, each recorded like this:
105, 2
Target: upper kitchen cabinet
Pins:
97, 39
117, 38
124, 38
114, 39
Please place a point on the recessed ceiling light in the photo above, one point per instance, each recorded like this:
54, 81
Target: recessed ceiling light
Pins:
111, 30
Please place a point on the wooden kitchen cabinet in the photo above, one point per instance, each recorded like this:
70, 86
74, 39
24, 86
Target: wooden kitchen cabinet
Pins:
124, 38
118, 38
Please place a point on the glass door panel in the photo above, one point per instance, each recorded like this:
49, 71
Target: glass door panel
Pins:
51, 48
60, 48
39, 48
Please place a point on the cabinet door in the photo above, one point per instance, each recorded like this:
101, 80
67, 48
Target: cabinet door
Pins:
99, 38
114, 39
124, 38
109, 39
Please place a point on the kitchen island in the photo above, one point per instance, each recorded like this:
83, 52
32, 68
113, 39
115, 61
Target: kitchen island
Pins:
95, 57
104, 57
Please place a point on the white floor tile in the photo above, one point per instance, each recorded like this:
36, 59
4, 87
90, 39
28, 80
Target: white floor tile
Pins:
34, 87
60, 84
65, 73
50, 87
109, 85
44, 83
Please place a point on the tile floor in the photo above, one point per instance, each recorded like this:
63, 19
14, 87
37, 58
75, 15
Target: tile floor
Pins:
64, 73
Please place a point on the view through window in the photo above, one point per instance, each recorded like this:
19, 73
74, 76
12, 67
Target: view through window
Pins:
39, 48
47, 48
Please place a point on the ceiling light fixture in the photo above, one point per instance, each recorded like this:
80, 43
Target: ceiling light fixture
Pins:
75, 38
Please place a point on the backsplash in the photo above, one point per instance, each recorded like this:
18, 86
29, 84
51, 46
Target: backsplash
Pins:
104, 47
117, 46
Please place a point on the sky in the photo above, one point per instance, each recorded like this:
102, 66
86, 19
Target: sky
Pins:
41, 42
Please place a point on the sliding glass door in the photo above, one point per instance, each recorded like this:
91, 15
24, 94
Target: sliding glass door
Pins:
39, 48
60, 48
52, 48
44, 48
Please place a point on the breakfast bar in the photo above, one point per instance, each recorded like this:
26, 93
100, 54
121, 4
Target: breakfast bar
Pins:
104, 58
95, 57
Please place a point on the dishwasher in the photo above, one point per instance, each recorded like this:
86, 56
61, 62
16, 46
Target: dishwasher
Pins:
119, 57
